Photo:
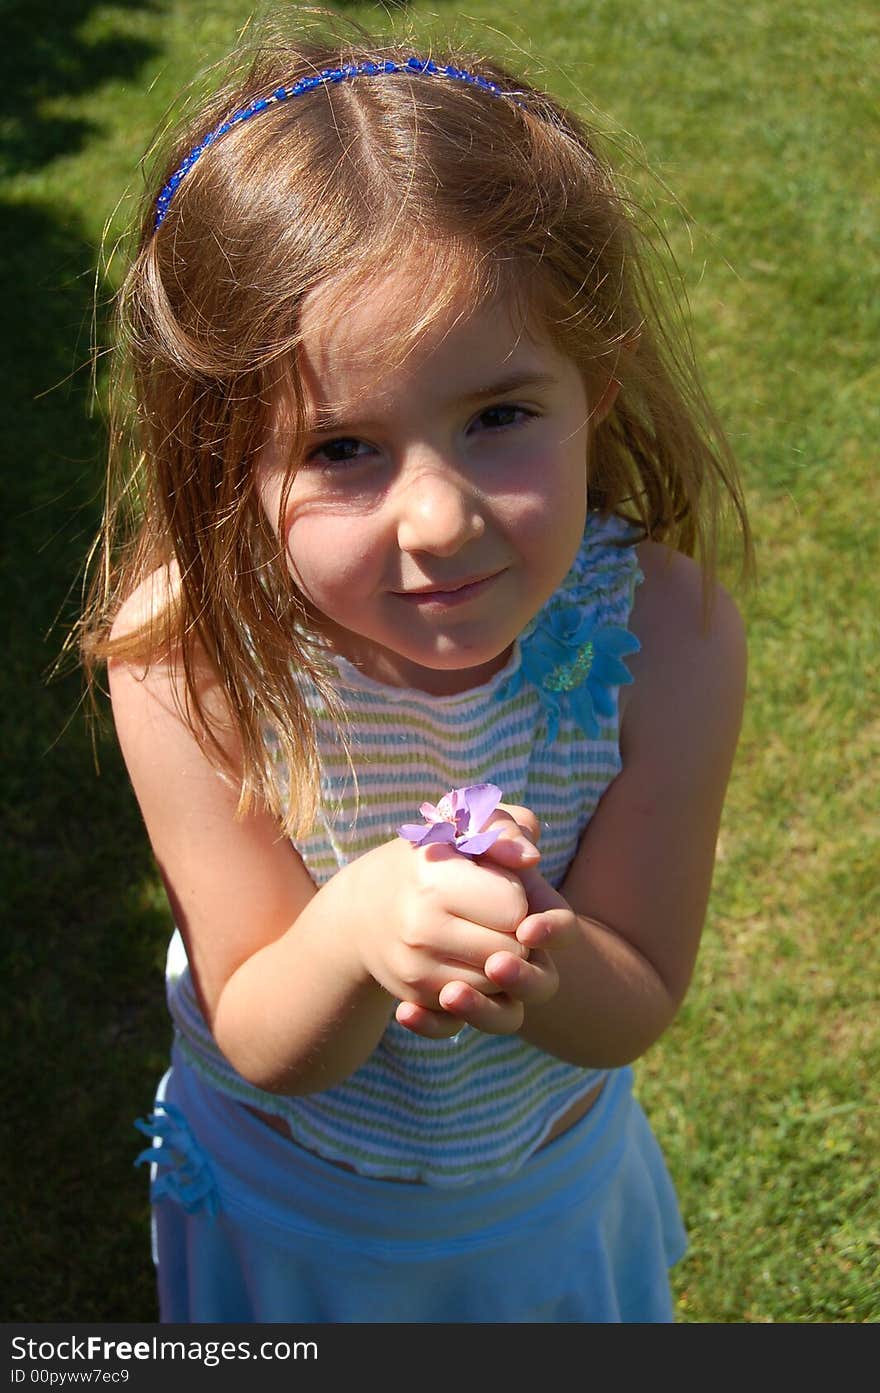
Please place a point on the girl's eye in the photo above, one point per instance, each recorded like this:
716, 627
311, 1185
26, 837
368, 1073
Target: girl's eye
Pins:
345, 450
502, 417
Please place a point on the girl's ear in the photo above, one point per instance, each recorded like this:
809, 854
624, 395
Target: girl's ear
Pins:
605, 403
609, 395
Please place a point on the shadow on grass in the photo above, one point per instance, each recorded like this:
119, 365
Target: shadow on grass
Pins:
84, 1032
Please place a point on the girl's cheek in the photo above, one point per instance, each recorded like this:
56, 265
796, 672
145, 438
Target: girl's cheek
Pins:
323, 556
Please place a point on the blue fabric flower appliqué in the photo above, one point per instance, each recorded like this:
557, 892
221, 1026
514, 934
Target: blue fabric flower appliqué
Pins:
183, 1171
574, 665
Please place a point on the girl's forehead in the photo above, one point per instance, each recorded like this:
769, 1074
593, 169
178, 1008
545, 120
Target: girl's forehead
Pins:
359, 339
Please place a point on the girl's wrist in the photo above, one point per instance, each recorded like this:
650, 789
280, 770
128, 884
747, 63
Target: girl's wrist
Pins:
338, 914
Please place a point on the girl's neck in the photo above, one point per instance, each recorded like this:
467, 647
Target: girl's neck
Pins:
394, 670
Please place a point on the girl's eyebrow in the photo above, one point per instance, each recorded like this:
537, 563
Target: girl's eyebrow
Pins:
329, 418
513, 382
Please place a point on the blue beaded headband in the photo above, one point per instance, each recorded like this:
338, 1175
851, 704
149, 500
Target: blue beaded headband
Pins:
308, 84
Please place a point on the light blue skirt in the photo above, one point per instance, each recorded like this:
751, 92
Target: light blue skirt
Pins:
250, 1227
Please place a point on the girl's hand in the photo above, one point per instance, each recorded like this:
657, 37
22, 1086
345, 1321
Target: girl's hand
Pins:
498, 1012
420, 917
521, 982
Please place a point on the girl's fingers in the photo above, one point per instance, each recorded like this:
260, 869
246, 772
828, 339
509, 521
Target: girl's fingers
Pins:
516, 846
551, 921
532, 983
465, 946
431, 1025
524, 819
494, 1015
520, 984
549, 928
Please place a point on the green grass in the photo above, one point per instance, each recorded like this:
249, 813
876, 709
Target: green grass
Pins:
759, 116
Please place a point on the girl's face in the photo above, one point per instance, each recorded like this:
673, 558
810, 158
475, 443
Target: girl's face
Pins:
440, 501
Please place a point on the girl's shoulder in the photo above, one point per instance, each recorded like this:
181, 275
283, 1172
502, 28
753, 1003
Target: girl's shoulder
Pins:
675, 601
145, 634
146, 606
692, 644
150, 675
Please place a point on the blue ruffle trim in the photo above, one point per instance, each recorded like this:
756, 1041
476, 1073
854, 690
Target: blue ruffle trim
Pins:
183, 1171
572, 659
575, 667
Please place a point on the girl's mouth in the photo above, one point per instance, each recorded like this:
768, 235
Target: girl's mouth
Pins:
454, 593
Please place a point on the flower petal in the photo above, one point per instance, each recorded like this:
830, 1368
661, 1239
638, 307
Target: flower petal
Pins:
616, 641
481, 800
609, 672
421, 835
468, 808
604, 701
479, 842
583, 709
551, 708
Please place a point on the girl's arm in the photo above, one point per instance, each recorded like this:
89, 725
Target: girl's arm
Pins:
235, 888
631, 909
297, 984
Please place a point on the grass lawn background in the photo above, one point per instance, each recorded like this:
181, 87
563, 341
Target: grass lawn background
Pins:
762, 120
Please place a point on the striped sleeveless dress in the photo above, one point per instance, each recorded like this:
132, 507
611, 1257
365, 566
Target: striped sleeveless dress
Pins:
545, 730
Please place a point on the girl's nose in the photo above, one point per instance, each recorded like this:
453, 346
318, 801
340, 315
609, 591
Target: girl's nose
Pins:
438, 511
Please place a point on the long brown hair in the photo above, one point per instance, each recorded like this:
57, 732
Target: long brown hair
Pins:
505, 194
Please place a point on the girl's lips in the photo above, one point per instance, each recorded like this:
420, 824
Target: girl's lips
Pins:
456, 594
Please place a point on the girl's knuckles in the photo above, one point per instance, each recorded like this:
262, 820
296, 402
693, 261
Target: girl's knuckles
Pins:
414, 976
507, 1022
523, 818
512, 906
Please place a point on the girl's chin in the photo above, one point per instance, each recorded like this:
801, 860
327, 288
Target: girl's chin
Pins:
441, 666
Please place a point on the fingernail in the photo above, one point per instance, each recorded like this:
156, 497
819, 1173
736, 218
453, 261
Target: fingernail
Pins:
450, 998
537, 933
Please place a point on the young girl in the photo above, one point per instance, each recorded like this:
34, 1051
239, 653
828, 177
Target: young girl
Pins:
421, 473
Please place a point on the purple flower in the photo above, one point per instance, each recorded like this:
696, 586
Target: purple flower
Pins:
457, 819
